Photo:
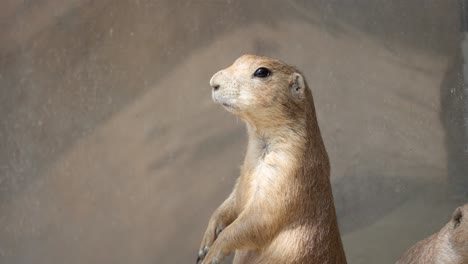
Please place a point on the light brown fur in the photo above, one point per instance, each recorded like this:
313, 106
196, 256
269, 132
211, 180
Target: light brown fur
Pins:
448, 246
281, 209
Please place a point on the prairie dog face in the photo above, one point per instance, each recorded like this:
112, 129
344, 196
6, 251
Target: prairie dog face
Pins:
458, 227
258, 86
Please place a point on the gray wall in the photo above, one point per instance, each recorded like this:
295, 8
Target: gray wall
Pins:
111, 150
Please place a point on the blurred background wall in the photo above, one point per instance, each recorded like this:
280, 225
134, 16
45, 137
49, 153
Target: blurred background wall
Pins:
111, 150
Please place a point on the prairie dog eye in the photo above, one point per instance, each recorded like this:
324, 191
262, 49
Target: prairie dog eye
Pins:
262, 72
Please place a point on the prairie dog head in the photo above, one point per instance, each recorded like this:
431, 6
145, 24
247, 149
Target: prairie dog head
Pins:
256, 88
458, 229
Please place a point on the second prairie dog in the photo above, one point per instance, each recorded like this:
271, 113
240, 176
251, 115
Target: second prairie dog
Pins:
281, 209
448, 246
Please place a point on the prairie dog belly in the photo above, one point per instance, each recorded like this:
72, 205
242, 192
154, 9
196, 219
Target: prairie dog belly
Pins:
287, 245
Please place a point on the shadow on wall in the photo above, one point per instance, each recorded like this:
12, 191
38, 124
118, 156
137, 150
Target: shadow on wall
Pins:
454, 119
392, 23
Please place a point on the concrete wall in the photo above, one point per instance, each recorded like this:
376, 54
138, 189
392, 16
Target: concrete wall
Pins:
111, 150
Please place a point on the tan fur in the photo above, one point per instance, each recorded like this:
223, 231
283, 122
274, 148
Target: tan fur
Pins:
448, 246
281, 209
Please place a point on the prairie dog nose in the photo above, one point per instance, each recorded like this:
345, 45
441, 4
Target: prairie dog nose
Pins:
215, 80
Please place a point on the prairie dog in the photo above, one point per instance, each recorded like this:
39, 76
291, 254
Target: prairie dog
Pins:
281, 209
448, 246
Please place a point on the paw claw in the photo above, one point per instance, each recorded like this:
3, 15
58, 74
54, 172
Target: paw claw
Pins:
205, 250
202, 254
218, 230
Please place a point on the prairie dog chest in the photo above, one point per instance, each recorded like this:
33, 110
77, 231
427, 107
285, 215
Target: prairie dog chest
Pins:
267, 165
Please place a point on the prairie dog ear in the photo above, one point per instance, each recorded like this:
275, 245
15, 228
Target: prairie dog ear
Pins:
297, 86
457, 217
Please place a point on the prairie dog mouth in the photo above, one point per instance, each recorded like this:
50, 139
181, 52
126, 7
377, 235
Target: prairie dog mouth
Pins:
228, 99
230, 106
226, 102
